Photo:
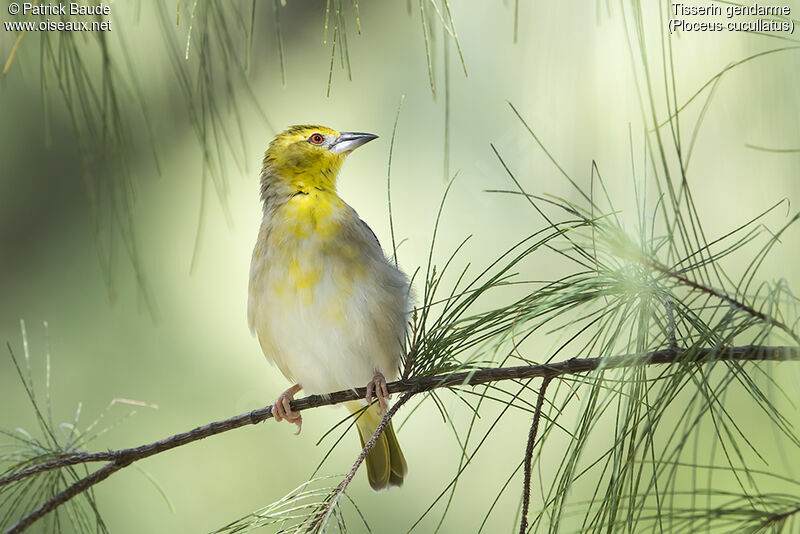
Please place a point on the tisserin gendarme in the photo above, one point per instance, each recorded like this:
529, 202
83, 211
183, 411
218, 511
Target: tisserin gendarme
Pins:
327, 306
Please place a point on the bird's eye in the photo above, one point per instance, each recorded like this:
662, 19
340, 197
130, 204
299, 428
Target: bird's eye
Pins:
315, 139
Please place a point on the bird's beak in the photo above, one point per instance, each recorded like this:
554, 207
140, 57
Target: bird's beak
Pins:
349, 141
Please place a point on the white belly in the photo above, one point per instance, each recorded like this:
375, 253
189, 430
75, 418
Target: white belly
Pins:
329, 318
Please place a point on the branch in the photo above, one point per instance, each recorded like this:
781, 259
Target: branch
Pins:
352, 473
76, 489
722, 296
124, 457
526, 488
778, 518
669, 306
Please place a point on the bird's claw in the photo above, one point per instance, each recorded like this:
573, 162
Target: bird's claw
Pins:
282, 409
380, 390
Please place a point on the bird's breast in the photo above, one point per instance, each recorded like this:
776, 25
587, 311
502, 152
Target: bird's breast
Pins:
311, 260
326, 306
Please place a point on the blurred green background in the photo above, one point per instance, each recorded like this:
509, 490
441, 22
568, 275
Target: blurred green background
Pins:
570, 75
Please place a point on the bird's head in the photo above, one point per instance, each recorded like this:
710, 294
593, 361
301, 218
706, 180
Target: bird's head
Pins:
308, 157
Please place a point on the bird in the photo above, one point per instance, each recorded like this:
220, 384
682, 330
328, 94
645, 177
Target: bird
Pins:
325, 303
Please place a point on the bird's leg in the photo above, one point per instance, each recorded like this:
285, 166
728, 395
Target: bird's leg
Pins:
282, 409
378, 388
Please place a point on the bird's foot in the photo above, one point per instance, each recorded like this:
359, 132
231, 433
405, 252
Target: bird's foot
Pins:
378, 388
283, 410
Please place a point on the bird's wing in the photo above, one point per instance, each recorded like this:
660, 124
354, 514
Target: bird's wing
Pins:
365, 225
258, 265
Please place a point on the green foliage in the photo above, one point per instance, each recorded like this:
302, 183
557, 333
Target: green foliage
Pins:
49, 441
620, 298
298, 511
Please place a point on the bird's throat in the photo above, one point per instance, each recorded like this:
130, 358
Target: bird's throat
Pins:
310, 213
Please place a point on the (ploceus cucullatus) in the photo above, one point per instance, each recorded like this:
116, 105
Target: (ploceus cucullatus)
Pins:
325, 303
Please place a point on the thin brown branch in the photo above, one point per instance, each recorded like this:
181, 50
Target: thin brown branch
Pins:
669, 306
410, 357
722, 296
774, 519
76, 489
326, 510
123, 457
526, 488
62, 460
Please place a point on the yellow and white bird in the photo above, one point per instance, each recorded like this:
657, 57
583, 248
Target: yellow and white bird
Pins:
326, 305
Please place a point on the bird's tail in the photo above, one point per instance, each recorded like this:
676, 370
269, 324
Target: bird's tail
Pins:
386, 465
